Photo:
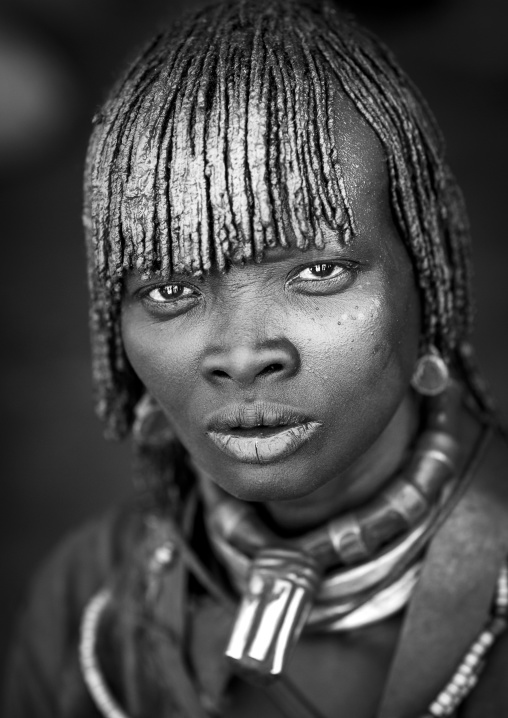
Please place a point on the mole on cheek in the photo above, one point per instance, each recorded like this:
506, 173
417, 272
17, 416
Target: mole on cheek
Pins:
375, 309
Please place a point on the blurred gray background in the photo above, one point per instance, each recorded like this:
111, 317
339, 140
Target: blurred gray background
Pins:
57, 59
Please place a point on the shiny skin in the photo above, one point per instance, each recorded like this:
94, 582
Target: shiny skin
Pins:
331, 332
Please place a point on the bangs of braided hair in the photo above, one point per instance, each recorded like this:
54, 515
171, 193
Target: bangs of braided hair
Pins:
220, 136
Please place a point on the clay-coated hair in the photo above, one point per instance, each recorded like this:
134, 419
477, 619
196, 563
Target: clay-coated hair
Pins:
220, 137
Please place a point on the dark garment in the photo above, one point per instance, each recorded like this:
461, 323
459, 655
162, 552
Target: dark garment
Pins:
144, 641
42, 678
162, 641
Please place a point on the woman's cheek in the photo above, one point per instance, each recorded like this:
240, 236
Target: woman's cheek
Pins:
161, 360
353, 340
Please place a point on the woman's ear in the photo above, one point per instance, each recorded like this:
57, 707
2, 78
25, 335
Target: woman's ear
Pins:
151, 428
156, 450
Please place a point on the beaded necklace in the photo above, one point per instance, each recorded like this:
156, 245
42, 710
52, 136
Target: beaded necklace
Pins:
456, 690
458, 687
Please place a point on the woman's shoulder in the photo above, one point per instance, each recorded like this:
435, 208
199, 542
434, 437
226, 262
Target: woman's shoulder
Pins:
484, 449
85, 558
49, 621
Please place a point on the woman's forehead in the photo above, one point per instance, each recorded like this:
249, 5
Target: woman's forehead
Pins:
362, 165
360, 153
366, 184
213, 187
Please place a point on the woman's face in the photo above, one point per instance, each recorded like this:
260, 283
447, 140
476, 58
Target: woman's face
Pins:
279, 376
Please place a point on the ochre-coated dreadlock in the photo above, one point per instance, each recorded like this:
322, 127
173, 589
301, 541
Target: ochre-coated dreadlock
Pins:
221, 136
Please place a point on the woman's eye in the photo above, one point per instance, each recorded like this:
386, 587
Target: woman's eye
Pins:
324, 278
168, 300
323, 270
169, 293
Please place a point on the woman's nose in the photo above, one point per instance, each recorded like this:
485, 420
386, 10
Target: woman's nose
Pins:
245, 363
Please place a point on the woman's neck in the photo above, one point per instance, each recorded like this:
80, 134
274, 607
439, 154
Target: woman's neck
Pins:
360, 482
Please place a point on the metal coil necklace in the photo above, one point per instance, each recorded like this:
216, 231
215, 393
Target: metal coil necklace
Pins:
328, 579
445, 704
318, 580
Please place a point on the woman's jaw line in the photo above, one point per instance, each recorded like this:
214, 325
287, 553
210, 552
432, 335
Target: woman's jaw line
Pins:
354, 485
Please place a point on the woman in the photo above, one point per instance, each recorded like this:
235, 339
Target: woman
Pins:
281, 314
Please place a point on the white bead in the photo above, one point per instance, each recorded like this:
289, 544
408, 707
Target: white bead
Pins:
465, 670
473, 682
445, 699
460, 680
471, 660
436, 709
163, 555
486, 639
453, 689
477, 649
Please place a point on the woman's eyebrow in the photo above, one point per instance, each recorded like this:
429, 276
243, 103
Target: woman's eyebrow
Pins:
332, 247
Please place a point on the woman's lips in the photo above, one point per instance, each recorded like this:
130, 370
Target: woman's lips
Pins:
263, 444
259, 432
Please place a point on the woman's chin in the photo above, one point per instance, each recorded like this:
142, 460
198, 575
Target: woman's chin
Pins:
267, 482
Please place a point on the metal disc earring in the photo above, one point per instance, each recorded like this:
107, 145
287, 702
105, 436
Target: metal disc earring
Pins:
155, 448
431, 374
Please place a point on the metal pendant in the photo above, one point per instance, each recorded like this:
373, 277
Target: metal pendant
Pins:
279, 594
